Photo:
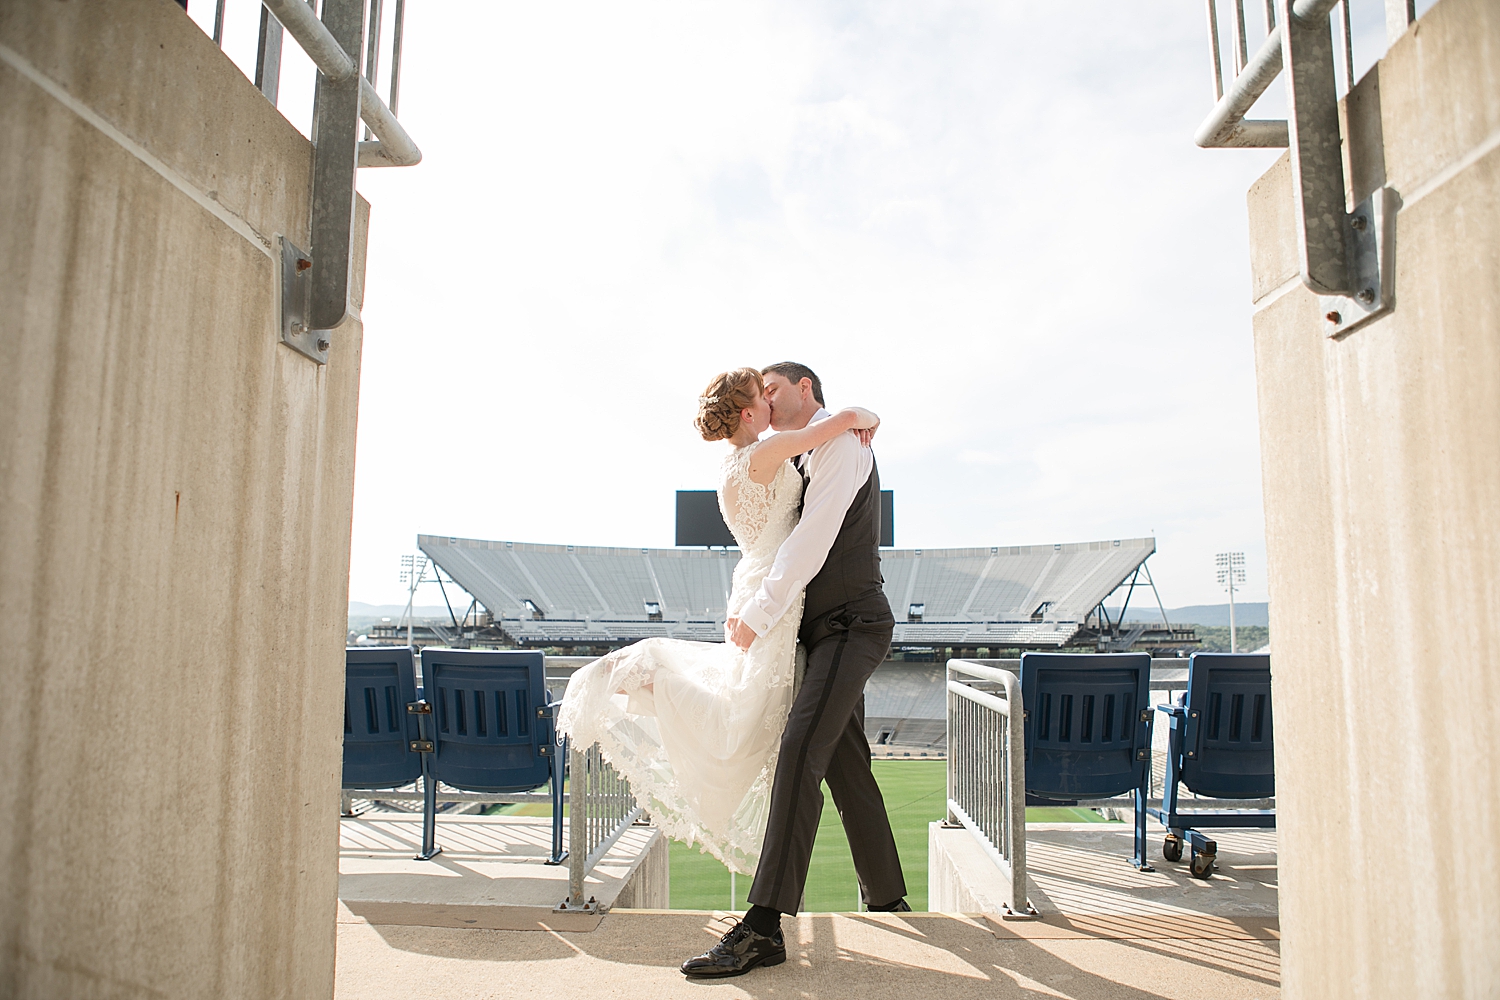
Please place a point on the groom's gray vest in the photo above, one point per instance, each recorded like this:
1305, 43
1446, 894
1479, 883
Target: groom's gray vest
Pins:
852, 571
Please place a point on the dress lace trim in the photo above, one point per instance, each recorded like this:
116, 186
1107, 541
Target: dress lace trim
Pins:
745, 504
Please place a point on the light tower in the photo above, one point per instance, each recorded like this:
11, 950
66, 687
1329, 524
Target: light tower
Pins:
413, 568
1231, 572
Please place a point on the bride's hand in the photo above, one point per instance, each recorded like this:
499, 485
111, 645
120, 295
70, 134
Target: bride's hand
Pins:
737, 632
865, 423
861, 418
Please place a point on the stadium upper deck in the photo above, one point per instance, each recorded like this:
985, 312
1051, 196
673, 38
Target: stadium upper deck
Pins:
1019, 596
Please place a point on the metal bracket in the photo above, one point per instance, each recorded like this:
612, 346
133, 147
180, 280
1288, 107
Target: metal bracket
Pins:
422, 707
296, 294
1371, 261
593, 907
422, 746
335, 154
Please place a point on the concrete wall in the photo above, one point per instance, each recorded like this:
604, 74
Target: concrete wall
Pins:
961, 878
649, 886
175, 493
1381, 455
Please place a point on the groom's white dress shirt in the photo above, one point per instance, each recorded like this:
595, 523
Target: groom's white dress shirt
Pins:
835, 471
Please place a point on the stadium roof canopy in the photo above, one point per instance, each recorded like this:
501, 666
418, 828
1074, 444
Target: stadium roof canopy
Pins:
1007, 596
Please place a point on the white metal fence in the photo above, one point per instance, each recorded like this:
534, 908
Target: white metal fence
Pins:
987, 768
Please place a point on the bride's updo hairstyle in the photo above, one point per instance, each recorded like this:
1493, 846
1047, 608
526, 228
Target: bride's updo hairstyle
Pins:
720, 405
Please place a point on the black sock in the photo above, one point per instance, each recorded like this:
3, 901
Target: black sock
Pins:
763, 920
886, 907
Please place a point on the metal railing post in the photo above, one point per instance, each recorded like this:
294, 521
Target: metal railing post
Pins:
578, 810
601, 808
1317, 157
987, 769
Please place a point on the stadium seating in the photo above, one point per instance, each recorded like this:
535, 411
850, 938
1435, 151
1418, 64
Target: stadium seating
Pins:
998, 596
1088, 729
1220, 746
489, 719
379, 731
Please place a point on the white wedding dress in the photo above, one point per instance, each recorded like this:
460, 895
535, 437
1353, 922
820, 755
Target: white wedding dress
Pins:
695, 726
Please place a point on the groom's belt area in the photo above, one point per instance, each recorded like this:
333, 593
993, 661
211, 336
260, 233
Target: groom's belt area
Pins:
870, 613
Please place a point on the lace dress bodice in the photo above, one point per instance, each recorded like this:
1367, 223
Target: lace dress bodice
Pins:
759, 516
696, 726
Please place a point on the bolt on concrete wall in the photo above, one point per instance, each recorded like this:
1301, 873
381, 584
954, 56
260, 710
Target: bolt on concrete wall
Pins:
1381, 455
175, 494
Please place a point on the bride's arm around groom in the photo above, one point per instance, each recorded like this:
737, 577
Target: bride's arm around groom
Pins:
833, 472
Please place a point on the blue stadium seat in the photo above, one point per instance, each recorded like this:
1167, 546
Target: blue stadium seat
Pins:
1220, 747
379, 731
490, 717
1088, 730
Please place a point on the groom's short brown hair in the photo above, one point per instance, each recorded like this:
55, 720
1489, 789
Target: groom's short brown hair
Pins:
794, 373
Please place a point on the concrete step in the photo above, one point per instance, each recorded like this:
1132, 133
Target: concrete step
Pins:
491, 874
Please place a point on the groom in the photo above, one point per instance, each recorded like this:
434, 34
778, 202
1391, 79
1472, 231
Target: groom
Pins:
846, 627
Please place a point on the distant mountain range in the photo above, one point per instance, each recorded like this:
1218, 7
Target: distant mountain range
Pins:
1248, 613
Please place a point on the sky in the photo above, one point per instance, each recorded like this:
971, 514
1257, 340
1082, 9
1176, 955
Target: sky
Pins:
985, 221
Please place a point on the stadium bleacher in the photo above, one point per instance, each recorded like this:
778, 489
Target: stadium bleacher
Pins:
1014, 597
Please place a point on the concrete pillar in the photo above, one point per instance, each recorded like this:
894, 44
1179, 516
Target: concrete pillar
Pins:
175, 495
1381, 469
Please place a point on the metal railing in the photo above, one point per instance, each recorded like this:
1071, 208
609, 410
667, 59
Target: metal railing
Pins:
1346, 256
987, 768
601, 808
1226, 125
394, 147
315, 282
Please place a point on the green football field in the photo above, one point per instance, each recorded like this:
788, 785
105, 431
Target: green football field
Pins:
913, 793
914, 797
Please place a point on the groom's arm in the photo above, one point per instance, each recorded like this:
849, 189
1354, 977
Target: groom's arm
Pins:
836, 471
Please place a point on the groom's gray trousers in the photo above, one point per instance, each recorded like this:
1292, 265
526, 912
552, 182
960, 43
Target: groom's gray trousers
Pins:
825, 739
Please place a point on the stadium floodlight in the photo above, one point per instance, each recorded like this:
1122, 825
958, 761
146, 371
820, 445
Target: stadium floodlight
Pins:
1231, 573
413, 568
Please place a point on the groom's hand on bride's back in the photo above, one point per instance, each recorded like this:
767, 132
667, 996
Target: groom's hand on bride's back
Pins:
739, 633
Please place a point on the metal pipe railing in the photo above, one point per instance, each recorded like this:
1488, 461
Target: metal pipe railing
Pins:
416, 794
1226, 125
987, 769
601, 808
395, 147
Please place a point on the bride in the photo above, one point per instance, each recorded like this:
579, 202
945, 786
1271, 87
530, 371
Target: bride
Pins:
695, 726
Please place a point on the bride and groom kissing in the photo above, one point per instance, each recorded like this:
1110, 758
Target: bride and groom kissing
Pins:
727, 745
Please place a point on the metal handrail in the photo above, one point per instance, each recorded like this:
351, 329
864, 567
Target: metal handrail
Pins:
1225, 125
395, 147
987, 769
601, 808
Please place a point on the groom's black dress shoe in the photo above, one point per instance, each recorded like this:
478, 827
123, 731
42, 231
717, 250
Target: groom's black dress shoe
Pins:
737, 952
899, 906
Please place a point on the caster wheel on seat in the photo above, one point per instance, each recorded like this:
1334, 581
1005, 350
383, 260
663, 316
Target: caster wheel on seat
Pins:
1202, 865
1171, 848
